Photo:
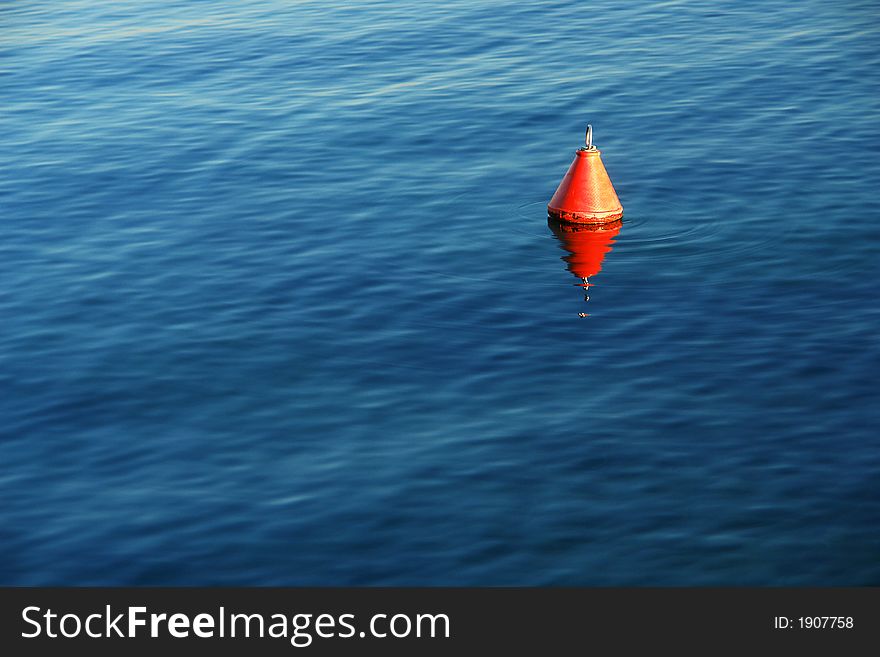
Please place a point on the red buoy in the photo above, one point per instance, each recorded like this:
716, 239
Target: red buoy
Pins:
586, 195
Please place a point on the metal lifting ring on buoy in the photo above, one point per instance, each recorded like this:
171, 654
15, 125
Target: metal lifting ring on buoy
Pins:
588, 140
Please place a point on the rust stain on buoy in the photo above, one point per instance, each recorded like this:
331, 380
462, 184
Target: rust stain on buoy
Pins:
586, 195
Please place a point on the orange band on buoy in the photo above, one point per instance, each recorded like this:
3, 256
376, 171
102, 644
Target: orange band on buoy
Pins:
586, 194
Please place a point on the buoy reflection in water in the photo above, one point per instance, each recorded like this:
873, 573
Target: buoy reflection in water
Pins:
586, 245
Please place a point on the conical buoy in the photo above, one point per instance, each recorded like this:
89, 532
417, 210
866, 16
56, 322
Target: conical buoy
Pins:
586, 195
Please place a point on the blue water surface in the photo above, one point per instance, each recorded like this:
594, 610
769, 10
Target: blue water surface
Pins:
280, 304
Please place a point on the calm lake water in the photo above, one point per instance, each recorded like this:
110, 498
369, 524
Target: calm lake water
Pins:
280, 303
